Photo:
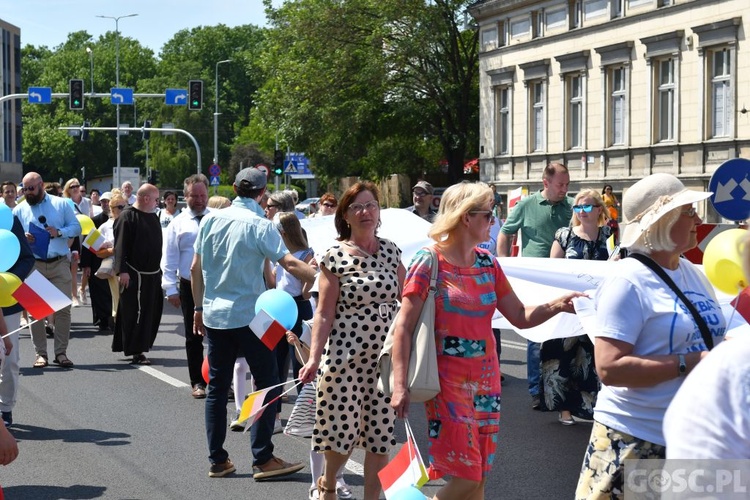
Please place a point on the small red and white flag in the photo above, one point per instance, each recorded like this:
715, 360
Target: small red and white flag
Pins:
741, 303
40, 297
267, 329
94, 241
405, 470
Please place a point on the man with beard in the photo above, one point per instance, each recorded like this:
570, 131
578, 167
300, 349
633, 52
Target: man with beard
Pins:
55, 216
101, 297
138, 244
175, 265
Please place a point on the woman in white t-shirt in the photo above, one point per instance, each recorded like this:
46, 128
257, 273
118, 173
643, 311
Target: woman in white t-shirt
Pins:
646, 340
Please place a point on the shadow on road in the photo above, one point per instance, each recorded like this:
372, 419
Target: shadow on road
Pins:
95, 436
78, 491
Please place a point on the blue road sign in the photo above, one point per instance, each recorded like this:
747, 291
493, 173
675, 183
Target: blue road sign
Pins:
175, 97
121, 96
214, 180
214, 170
730, 184
297, 165
40, 95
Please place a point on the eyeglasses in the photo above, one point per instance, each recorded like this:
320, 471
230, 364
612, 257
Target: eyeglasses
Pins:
583, 208
487, 214
361, 207
119, 207
690, 212
268, 205
329, 205
420, 194
75, 186
30, 189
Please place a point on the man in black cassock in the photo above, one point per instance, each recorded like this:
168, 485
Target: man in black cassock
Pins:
138, 243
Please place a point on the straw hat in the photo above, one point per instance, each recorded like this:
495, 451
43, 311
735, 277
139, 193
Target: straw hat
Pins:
649, 199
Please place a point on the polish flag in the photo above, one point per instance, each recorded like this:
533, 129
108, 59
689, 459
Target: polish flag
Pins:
268, 330
741, 303
404, 471
94, 241
40, 297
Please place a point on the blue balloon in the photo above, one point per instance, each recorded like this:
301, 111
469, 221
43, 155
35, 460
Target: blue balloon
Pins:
279, 305
6, 217
408, 493
11, 249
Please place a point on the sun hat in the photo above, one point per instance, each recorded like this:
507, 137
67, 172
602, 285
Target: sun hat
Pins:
649, 199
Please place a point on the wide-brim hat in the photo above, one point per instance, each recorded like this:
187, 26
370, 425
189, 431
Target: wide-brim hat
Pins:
649, 199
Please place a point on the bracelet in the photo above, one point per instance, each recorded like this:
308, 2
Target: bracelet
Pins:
198, 309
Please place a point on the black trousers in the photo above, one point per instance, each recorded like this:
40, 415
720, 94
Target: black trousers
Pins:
193, 343
101, 301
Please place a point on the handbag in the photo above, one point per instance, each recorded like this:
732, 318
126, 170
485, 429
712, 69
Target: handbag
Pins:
302, 419
106, 269
422, 378
702, 326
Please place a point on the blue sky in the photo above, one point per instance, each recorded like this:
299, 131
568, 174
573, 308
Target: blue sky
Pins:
48, 22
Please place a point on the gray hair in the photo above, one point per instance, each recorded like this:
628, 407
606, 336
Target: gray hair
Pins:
283, 199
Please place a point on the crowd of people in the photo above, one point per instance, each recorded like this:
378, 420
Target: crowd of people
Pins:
623, 380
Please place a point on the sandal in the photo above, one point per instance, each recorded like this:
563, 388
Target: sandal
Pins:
41, 361
62, 360
323, 491
140, 359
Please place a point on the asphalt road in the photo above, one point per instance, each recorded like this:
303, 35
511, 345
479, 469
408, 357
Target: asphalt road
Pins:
109, 430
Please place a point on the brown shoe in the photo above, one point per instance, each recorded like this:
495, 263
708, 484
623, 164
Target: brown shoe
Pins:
221, 470
275, 467
199, 392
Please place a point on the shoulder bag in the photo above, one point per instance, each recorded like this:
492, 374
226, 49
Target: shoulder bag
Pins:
702, 326
422, 378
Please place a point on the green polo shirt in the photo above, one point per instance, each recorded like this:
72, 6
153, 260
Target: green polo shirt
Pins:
538, 219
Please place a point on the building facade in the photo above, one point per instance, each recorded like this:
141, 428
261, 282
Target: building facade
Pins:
615, 89
10, 111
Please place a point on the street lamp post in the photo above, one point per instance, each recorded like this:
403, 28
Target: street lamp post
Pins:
216, 111
117, 84
91, 60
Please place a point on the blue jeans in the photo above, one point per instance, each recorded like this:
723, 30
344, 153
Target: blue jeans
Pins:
223, 349
533, 366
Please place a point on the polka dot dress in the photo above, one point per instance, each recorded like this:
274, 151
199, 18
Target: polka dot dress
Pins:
350, 409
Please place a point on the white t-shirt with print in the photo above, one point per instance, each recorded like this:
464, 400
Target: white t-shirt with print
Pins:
634, 305
710, 415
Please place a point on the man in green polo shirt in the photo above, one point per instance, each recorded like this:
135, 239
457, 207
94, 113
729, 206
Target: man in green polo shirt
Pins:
538, 217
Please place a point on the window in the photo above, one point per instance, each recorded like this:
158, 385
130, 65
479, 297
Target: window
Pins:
574, 121
489, 39
555, 19
503, 100
664, 3
665, 97
721, 93
617, 108
595, 8
520, 27
618, 8
536, 112
537, 18
638, 3
576, 14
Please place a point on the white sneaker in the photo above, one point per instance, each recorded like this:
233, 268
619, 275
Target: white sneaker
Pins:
342, 489
234, 425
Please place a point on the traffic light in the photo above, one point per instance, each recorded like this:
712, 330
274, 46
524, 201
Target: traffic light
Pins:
278, 162
75, 94
196, 95
85, 131
154, 177
146, 133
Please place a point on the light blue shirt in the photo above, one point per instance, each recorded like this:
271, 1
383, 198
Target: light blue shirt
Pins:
59, 214
232, 244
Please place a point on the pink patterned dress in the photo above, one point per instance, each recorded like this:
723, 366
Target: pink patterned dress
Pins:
464, 419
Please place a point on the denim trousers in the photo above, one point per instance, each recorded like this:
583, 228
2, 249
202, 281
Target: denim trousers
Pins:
223, 348
533, 366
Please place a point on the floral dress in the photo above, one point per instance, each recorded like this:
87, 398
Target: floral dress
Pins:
463, 420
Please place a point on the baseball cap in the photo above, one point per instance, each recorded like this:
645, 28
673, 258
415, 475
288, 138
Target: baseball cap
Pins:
424, 185
250, 178
107, 195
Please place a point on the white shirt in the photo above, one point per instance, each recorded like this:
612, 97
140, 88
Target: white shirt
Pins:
132, 199
108, 231
286, 281
635, 306
177, 254
710, 415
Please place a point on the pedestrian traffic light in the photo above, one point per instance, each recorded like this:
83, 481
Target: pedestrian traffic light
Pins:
196, 95
75, 94
85, 130
146, 133
278, 162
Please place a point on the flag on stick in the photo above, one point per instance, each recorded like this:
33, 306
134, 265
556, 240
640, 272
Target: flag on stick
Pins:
40, 297
405, 470
253, 405
741, 304
267, 329
94, 241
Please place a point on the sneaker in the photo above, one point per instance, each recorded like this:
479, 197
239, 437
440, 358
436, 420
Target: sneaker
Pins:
7, 418
342, 489
275, 467
82, 298
277, 427
235, 425
221, 470
536, 402
313, 494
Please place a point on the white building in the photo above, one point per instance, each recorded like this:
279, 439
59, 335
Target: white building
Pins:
10, 111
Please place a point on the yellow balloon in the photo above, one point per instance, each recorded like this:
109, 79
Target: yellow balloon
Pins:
87, 225
9, 282
722, 261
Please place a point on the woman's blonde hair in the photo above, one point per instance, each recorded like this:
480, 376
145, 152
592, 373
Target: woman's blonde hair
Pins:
66, 188
219, 202
657, 238
291, 230
117, 198
599, 202
456, 201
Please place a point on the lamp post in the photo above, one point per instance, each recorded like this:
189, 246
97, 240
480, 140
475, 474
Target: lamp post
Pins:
216, 111
91, 60
117, 84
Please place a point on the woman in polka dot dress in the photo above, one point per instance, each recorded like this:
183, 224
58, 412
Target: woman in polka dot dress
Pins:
463, 420
360, 283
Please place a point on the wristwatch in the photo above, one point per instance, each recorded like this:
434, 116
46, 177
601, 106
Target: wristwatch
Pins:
198, 309
682, 368
59, 234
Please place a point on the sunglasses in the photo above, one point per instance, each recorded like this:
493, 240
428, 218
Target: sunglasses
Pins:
268, 205
487, 214
121, 207
329, 205
75, 186
583, 208
30, 189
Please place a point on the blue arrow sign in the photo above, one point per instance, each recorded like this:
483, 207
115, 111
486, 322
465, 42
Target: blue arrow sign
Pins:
214, 181
175, 97
121, 96
40, 95
730, 184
